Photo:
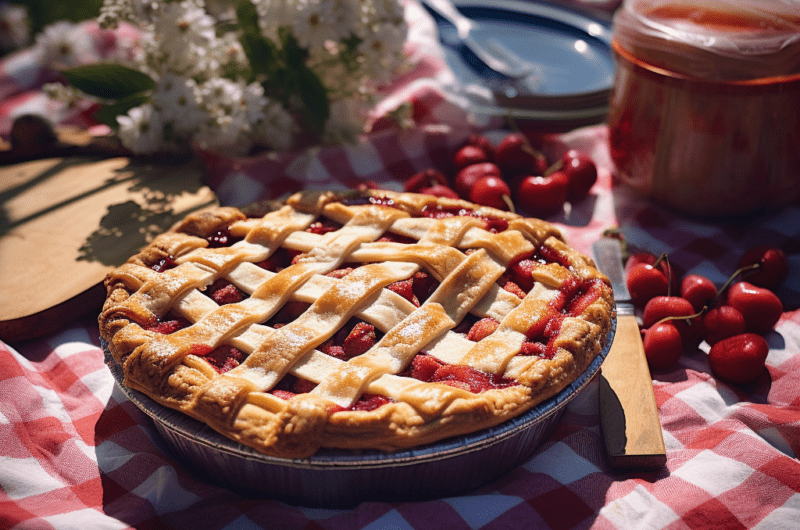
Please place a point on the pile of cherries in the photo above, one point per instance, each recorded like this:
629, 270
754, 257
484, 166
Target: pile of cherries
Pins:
510, 176
732, 320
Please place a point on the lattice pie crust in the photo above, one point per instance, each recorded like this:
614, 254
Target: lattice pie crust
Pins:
304, 328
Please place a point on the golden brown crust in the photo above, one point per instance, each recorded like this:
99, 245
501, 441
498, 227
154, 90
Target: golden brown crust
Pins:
239, 404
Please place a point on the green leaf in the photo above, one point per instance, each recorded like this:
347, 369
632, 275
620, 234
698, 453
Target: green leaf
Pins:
248, 16
314, 97
295, 55
108, 113
108, 81
261, 53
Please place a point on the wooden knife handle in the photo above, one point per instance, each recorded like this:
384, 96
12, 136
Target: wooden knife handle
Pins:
628, 412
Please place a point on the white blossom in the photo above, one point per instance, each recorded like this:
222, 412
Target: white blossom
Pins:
277, 128
185, 33
382, 51
192, 49
318, 21
225, 133
64, 44
274, 14
220, 95
138, 12
142, 130
178, 100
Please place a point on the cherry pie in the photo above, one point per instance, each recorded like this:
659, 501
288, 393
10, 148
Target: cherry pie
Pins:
362, 320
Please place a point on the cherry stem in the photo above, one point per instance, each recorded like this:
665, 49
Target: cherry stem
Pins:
733, 277
509, 202
665, 258
512, 124
557, 165
688, 318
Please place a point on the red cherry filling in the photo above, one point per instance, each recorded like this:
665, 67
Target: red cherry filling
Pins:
224, 292
340, 273
323, 227
355, 338
360, 339
389, 237
520, 272
493, 224
222, 358
427, 368
164, 264
542, 335
405, 289
573, 299
165, 327
482, 329
290, 386
378, 201
278, 261
369, 402
416, 289
222, 238
513, 288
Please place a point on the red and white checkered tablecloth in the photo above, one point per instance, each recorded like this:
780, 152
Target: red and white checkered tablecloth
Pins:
76, 453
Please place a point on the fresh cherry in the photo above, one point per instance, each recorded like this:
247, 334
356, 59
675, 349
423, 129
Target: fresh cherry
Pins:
722, 322
467, 177
438, 190
739, 359
468, 155
645, 282
773, 267
425, 179
661, 307
514, 154
481, 141
581, 172
699, 291
761, 308
660, 262
543, 196
491, 191
663, 345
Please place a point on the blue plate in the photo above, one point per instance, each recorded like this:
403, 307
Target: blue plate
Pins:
569, 49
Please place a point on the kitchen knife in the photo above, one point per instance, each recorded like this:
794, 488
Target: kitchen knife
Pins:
628, 412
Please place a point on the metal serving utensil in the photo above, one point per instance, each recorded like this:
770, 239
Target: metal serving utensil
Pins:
478, 53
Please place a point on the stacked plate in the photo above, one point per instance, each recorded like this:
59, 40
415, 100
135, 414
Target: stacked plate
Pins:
568, 50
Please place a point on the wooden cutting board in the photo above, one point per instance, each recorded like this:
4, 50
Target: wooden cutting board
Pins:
66, 222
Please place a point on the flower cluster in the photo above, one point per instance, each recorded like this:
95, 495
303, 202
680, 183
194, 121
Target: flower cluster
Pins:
244, 75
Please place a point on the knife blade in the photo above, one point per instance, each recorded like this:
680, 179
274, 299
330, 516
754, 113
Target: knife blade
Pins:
628, 412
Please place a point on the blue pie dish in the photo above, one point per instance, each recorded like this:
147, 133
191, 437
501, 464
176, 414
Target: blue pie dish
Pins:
344, 478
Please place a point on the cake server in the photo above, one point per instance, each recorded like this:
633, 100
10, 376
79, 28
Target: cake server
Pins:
628, 411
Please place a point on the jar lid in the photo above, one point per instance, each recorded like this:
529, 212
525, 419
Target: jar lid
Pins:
713, 40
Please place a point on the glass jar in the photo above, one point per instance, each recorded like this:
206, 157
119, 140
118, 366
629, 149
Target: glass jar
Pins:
705, 111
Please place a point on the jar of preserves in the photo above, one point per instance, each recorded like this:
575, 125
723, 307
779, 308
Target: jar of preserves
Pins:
704, 114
